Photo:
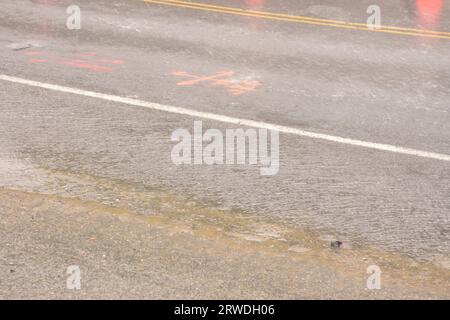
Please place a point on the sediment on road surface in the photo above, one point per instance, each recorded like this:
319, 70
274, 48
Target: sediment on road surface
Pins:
130, 242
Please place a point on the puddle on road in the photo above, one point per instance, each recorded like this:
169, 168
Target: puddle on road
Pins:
178, 215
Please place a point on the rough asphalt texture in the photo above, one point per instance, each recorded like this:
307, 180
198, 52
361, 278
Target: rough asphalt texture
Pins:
370, 86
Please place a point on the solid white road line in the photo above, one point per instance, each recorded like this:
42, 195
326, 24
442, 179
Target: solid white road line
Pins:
232, 120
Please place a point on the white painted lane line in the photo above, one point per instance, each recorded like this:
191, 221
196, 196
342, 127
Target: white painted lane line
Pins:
232, 120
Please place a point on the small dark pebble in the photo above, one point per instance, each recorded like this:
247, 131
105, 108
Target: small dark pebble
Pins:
336, 244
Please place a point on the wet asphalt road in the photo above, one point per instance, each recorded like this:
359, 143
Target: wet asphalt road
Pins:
372, 86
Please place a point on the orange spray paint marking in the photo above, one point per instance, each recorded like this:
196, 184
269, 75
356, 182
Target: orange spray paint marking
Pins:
82, 64
117, 61
243, 87
95, 65
196, 79
38, 61
219, 79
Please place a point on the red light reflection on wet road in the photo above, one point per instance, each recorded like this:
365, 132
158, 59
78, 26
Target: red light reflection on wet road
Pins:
429, 13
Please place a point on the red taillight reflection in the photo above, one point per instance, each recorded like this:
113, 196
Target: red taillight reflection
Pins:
254, 3
429, 12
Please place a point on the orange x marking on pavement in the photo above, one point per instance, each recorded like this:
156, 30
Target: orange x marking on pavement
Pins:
219, 79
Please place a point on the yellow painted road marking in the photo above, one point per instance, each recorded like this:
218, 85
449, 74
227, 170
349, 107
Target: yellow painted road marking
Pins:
302, 19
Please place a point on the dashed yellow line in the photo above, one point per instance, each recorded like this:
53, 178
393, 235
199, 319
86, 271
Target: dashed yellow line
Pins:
302, 19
